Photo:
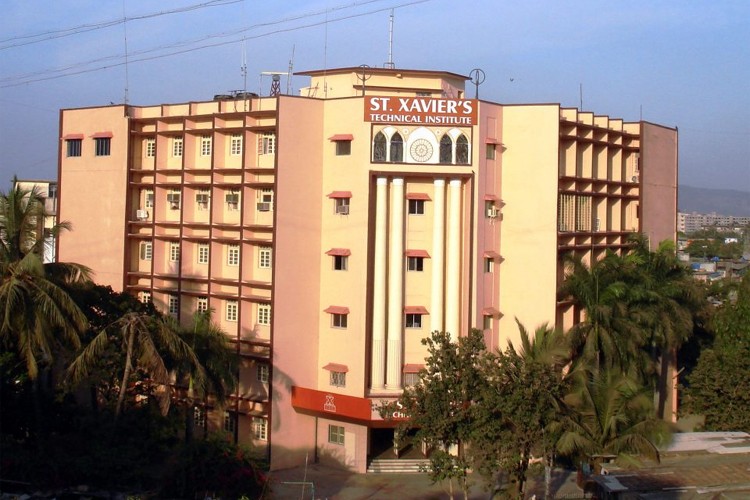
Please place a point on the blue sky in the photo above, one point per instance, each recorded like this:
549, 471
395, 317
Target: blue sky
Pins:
677, 63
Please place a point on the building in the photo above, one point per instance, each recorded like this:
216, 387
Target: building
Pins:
693, 222
48, 191
332, 231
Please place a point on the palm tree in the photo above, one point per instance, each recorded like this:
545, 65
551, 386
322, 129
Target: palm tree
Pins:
609, 415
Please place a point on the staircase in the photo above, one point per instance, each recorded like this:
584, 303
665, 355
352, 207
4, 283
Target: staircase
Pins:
392, 466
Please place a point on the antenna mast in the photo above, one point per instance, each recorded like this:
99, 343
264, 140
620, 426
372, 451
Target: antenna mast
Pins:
289, 73
243, 72
390, 64
125, 28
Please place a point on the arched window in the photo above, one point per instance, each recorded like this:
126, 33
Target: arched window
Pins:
446, 149
397, 148
379, 147
462, 150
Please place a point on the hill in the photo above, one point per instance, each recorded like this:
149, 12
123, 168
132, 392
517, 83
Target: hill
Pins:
721, 201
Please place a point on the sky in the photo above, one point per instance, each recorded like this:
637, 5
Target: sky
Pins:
680, 64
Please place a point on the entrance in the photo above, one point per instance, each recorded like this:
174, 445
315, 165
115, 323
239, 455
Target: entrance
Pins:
382, 446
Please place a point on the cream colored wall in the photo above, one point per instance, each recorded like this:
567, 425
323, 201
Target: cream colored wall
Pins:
93, 194
529, 226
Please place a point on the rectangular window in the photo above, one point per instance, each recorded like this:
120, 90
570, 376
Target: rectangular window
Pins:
233, 199
73, 147
264, 257
265, 200
235, 145
202, 199
490, 151
489, 265
102, 146
340, 262
174, 251
148, 198
146, 250
338, 320
413, 321
266, 144
149, 147
336, 434
486, 322
230, 421
338, 379
201, 304
415, 263
203, 253
416, 207
233, 255
232, 310
174, 199
341, 206
206, 145
263, 373
174, 305
343, 148
260, 428
177, 147
145, 297
411, 379
264, 314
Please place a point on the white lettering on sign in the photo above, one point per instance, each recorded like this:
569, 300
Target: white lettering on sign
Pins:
421, 110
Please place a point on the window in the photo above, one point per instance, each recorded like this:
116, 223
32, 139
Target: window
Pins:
233, 255
265, 200
173, 199
174, 251
266, 144
235, 145
231, 310
416, 207
148, 198
340, 262
397, 148
202, 199
73, 147
203, 253
338, 320
146, 250
446, 149
336, 434
411, 379
379, 148
489, 264
413, 320
177, 147
341, 206
149, 147
145, 297
230, 421
462, 150
233, 199
486, 322
102, 146
264, 314
490, 151
338, 379
264, 257
174, 305
199, 417
201, 304
415, 263
206, 144
263, 373
343, 148
260, 428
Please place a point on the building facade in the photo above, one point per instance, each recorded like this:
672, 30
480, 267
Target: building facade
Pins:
48, 192
332, 231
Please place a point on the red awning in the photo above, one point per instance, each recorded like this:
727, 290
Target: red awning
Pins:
70, 137
417, 253
415, 310
412, 368
490, 311
102, 135
340, 194
339, 251
491, 254
337, 310
335, 367
418, 196
341, 137
491, 140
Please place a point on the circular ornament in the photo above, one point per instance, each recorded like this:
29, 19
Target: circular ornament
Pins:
421, 150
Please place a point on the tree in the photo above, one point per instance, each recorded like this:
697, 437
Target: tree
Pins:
719, 387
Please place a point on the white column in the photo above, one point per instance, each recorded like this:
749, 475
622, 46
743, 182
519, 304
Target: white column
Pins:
377, 363
395, 287
453, 261
438, 256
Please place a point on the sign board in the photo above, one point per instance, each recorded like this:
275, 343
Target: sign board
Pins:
340, 405
421, 111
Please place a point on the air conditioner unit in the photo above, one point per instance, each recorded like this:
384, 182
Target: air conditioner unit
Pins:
492, 212
174, 200
264, 207
634, 178
597, 224
342, 209
142, 214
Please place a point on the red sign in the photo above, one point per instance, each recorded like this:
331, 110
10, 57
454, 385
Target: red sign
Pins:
342, 406
421, 110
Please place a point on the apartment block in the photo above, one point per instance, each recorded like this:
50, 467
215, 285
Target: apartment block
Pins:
333, 230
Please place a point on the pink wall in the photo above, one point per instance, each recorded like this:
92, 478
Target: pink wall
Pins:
658, 183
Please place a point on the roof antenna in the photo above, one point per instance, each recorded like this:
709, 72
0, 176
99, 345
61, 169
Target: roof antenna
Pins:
243, 72
364, 76
477, 78
389, 64
289, 73
125, 28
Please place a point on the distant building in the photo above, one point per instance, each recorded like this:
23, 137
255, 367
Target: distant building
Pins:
332, 232
48, 190
692, 222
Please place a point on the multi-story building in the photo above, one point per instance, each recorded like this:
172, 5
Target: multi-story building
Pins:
332, 231
48, 191
692, 222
